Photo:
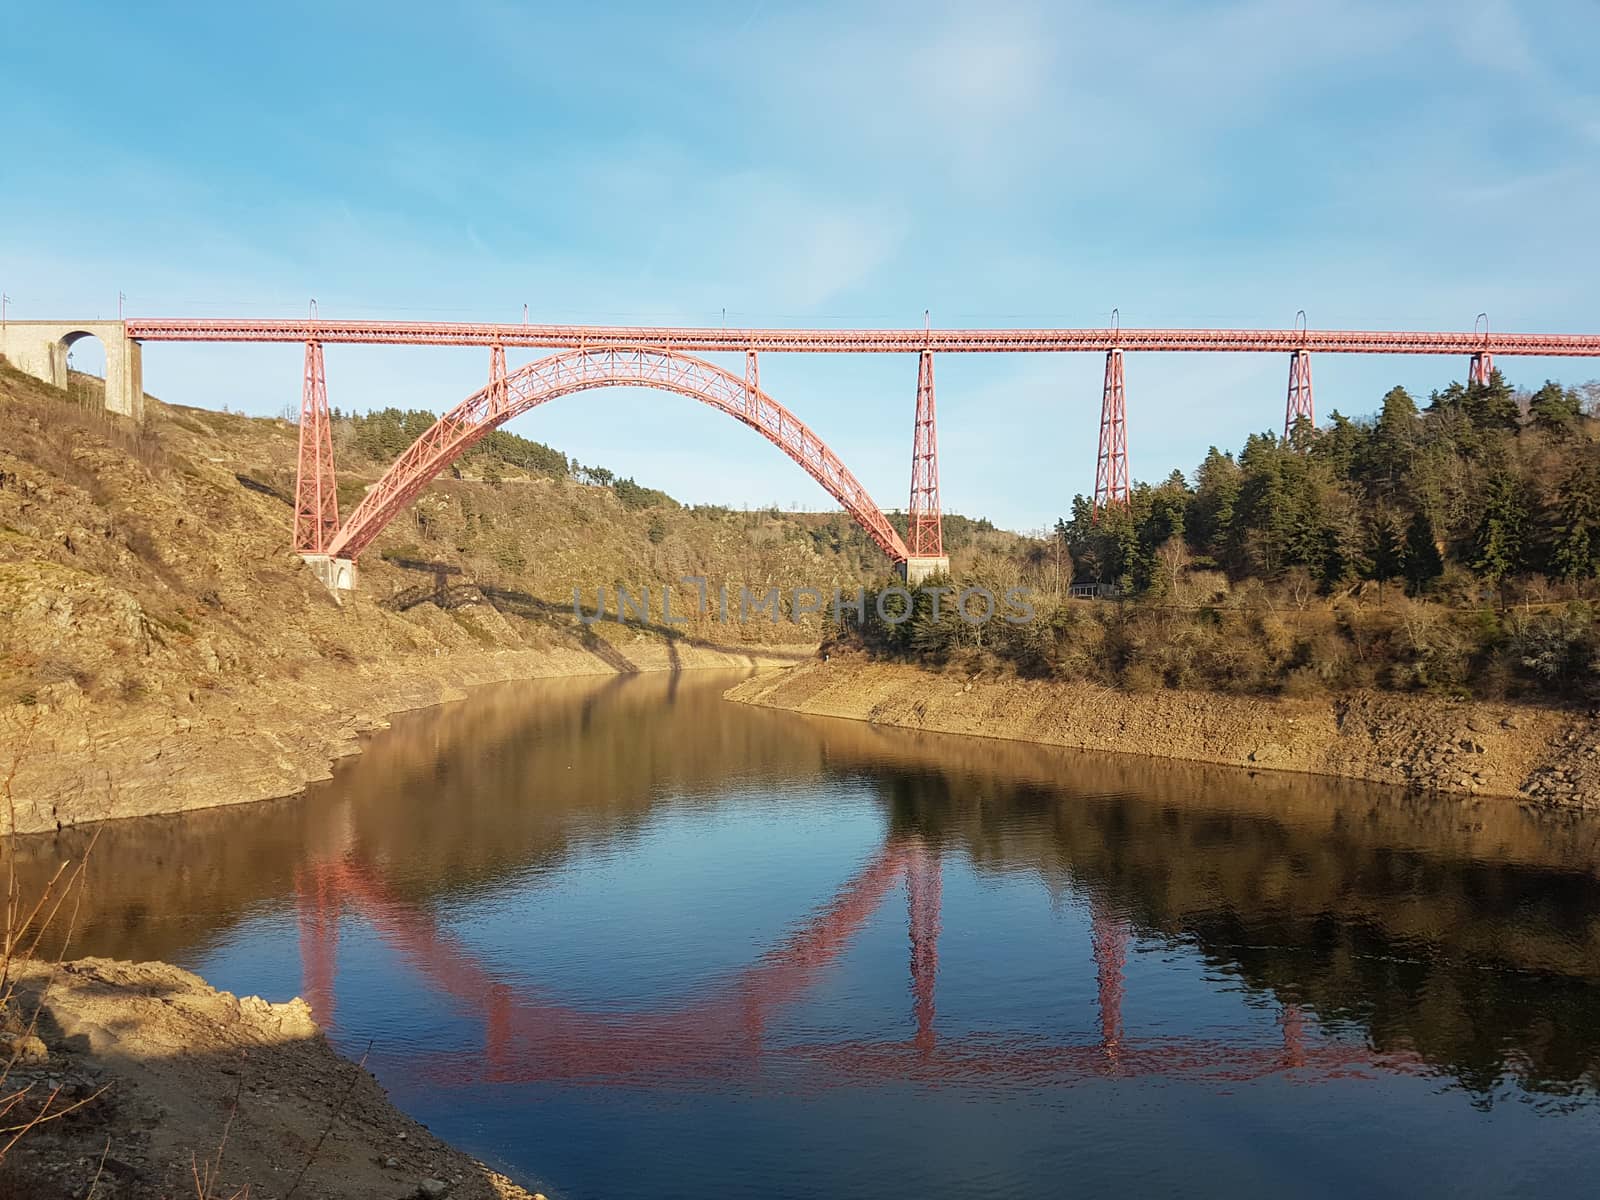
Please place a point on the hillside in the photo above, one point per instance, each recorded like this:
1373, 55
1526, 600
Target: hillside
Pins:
160, 633
1451, 549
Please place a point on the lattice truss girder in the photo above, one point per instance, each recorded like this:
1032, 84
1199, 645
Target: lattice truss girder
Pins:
866, 341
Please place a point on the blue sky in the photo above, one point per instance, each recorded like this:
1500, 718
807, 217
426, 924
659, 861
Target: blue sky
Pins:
1399, 164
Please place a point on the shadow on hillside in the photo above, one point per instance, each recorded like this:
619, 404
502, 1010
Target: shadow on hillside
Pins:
264, 489
444, 594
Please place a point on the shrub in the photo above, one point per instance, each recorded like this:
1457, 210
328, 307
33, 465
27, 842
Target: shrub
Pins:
1556, 650
1139, 678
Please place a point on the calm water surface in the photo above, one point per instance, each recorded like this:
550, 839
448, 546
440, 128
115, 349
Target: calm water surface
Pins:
624, 939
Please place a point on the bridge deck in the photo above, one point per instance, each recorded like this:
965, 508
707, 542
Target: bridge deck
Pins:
867, 341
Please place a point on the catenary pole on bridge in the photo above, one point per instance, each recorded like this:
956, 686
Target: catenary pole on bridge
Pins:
1481, 368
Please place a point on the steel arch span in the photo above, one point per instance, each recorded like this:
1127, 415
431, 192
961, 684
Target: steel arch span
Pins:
512, 394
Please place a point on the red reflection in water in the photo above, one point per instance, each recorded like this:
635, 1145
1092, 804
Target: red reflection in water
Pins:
1109, 938
319, 940
529, 1037
924, 898
1294, 1034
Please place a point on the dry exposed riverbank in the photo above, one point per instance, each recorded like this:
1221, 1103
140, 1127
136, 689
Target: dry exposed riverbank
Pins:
171, 753
175, 1076
1496, 749
162, 650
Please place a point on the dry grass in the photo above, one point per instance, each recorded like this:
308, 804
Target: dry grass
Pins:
207, 1174
24, 1108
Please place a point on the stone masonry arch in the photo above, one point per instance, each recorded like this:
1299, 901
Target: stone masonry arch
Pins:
39, 348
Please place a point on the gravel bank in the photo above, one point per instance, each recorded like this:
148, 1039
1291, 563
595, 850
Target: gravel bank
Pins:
1548, 755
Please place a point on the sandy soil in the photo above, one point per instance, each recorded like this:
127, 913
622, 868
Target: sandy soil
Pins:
177, 1076
1549, 755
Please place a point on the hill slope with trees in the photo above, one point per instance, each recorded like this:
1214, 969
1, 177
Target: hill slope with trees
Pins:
1450, 546
160, 633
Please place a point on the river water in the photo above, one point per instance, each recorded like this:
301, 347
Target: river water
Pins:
621, 938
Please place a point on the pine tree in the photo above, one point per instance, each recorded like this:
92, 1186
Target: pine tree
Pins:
1492, 405
1103, 543
1577, 527
1387, 547
1160, 516
1501, 541
1270, 511
1394, 440
930, 635
1397, 423
1423, 562
1216, 492
1453, 397
1341, 446
1555, 409
1301, 435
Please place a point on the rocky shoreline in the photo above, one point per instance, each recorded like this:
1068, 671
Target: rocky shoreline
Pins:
1544, 755
71, 762
159, 1077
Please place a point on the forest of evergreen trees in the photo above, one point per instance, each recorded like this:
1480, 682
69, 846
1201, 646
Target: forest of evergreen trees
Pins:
1451, 547
1481, 483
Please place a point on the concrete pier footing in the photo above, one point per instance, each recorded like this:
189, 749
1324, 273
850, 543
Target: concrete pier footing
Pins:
337, 574
915, 570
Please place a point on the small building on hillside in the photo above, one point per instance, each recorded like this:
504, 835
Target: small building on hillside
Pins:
1094, 591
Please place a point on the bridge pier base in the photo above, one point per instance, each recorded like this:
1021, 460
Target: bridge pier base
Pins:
338, 575
918, 568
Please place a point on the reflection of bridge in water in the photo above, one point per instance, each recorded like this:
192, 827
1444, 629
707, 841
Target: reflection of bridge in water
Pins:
530, 1037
